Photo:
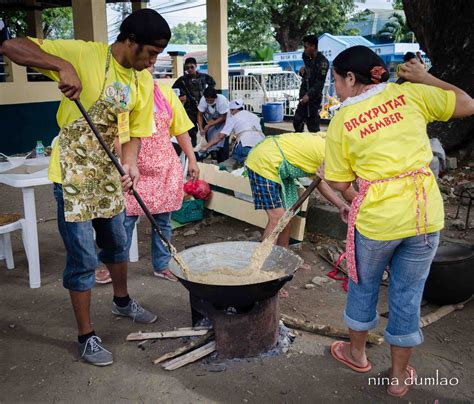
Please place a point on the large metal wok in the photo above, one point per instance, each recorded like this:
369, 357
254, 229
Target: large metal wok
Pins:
235, 255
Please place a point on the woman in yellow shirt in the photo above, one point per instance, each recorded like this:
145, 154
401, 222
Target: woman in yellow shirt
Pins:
379, 138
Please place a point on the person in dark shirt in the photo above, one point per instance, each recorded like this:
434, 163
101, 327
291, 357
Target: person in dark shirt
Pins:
311, 91
191, 86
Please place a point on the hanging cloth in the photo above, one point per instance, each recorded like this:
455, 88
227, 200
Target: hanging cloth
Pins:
288, 173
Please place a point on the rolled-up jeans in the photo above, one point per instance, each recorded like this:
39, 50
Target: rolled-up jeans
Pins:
409, 259
160, 255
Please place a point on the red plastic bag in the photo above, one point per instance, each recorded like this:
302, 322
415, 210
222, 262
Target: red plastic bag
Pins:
199, 189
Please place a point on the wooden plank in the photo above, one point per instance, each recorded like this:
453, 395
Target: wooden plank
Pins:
190, 356
139, 336
243, 210
441, 312
327, 330
185, 348
193, 328
211, 174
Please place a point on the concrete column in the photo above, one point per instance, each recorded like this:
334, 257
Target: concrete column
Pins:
177, 63
138, 5
90, 20
34, 21
217, 47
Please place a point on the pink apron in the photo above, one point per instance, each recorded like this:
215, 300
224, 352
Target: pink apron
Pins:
161, 172
364, 186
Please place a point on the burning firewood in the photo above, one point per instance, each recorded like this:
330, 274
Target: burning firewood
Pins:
190, 356
185, 348
139, 336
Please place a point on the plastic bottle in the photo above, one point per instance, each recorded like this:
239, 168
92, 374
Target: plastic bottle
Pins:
39, 149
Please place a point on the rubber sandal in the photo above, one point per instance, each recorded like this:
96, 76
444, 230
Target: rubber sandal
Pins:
167, 275
411, 374
282, 293
304, 267
102, 276
336, 354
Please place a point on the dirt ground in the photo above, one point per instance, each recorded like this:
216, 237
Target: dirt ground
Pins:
39, 361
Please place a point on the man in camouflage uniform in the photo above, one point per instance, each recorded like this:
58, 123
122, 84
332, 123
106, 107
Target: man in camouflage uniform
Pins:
314, 75
191, 87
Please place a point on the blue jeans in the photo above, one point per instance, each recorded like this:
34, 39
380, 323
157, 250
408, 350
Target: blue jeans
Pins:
160, 255
78, 238
240, 152
409, 259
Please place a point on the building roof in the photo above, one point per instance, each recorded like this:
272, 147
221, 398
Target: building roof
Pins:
370, 21
348, 40
39, 4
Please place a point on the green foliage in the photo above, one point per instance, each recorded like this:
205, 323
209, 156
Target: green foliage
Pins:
190, 33
257, 23
396, 30
397, 4
57, 23
262, 55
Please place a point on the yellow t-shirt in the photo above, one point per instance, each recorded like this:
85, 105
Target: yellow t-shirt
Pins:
382, 134
89, 59
303, 150
180, 122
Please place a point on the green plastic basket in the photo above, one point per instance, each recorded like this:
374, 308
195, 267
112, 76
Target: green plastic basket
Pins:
191, 211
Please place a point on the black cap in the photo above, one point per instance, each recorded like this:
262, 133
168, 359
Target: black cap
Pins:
190, 61
145, 27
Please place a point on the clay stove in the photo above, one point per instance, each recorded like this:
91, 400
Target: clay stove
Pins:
240, 332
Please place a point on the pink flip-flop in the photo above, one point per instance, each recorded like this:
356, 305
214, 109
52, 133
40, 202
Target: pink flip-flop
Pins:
411, 374
337, 354
167, 275
283, 293
102, 276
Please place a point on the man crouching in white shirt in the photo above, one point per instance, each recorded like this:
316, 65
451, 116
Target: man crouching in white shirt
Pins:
245, 126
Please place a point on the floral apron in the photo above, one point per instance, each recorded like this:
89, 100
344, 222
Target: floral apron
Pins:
288, 173
91, 183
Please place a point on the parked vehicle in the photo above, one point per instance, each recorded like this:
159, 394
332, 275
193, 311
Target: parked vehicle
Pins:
259, 83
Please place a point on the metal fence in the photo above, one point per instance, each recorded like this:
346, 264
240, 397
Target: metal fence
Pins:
261, 88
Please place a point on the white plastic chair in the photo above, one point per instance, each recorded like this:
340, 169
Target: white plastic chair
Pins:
6, 252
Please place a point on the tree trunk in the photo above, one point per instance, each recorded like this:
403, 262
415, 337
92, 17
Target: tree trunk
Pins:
444, 31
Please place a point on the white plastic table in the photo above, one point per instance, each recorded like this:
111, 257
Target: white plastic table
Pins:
27, 183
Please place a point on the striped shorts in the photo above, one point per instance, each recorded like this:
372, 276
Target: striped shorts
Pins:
266, 193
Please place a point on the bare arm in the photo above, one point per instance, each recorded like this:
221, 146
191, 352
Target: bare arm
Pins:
24, 52
214, 141
216, 121
415, 72
129, 158
184, 142
199, 119
331, 196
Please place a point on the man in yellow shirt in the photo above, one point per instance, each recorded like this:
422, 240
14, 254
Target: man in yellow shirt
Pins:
114, 87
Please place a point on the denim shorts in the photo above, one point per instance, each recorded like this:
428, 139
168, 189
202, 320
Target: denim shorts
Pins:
81, 253
409, 260
240, 153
